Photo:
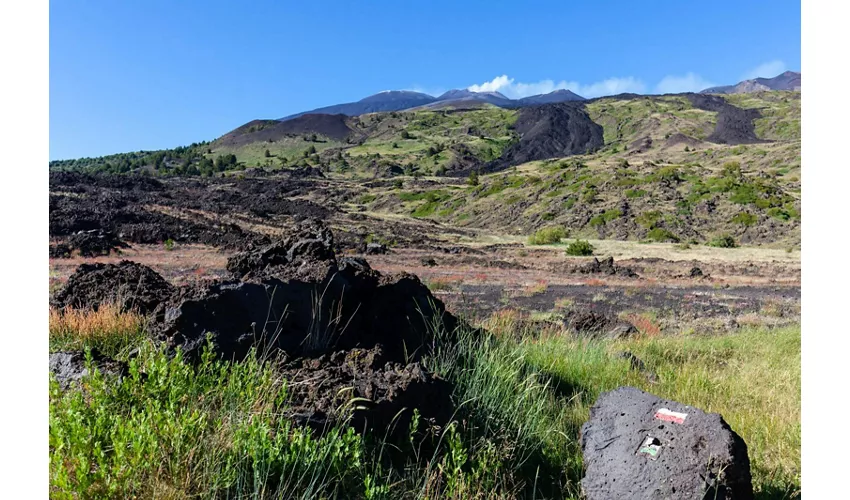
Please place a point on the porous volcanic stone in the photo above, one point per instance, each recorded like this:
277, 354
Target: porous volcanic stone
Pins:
130, 285
700, 458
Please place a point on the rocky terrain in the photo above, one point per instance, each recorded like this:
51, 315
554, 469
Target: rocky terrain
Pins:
403, 284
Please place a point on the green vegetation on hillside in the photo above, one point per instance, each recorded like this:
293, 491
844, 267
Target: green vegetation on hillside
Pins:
780, 111
179, 159
626, 121
593, 198
698, 186
432, 142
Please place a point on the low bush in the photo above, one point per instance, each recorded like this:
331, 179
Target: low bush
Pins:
723, 241
745, 219
635, 193
659, 234
547, 236
605, 217
176, 431
580, 248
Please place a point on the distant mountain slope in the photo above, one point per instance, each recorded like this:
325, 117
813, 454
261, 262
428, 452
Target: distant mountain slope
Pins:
468, 95
561, 95
467, 132
400, 100
789, 80
391, 100
550, 131
331, 126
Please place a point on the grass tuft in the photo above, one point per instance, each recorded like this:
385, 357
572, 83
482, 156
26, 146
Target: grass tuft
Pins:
109, 330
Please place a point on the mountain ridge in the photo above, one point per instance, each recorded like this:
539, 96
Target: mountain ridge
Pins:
400, 100
789, 80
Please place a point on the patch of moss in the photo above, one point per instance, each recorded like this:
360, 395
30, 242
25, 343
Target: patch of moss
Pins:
745, 219
662, 235
606, 217
648, 219
635, 193
367, 198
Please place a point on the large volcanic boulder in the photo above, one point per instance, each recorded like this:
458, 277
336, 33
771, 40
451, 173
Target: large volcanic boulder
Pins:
131, 285
306, 254
605, 266
639, 446
387, 391
597, 325
296, 296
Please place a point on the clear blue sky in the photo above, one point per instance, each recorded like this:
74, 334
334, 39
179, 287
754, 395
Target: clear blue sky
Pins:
142, 75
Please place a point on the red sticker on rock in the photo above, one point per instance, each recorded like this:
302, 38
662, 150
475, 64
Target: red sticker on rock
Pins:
670, 416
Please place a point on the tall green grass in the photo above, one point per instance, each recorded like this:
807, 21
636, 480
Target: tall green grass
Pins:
176, 431
751, 377
220, 430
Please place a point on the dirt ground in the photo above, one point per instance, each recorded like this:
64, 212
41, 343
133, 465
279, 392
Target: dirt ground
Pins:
476, 281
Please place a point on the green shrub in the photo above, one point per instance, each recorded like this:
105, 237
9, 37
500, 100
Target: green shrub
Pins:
472, 180
606, 217
745, 219
648, 219
661, 235
744, 194
547, 236
579, 248
169, 244
670, 174
635, 193
589, 195
367, 198
723, 241
779, 213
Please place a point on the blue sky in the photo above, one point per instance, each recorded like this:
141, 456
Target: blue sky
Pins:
142, 75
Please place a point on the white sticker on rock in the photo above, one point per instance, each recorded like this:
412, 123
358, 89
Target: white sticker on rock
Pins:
671, 416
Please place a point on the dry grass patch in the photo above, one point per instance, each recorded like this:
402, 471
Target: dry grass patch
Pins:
108, 329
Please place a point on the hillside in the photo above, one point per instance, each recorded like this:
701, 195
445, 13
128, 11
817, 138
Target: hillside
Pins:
399, 100
789, 80
662, 174
670, 168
